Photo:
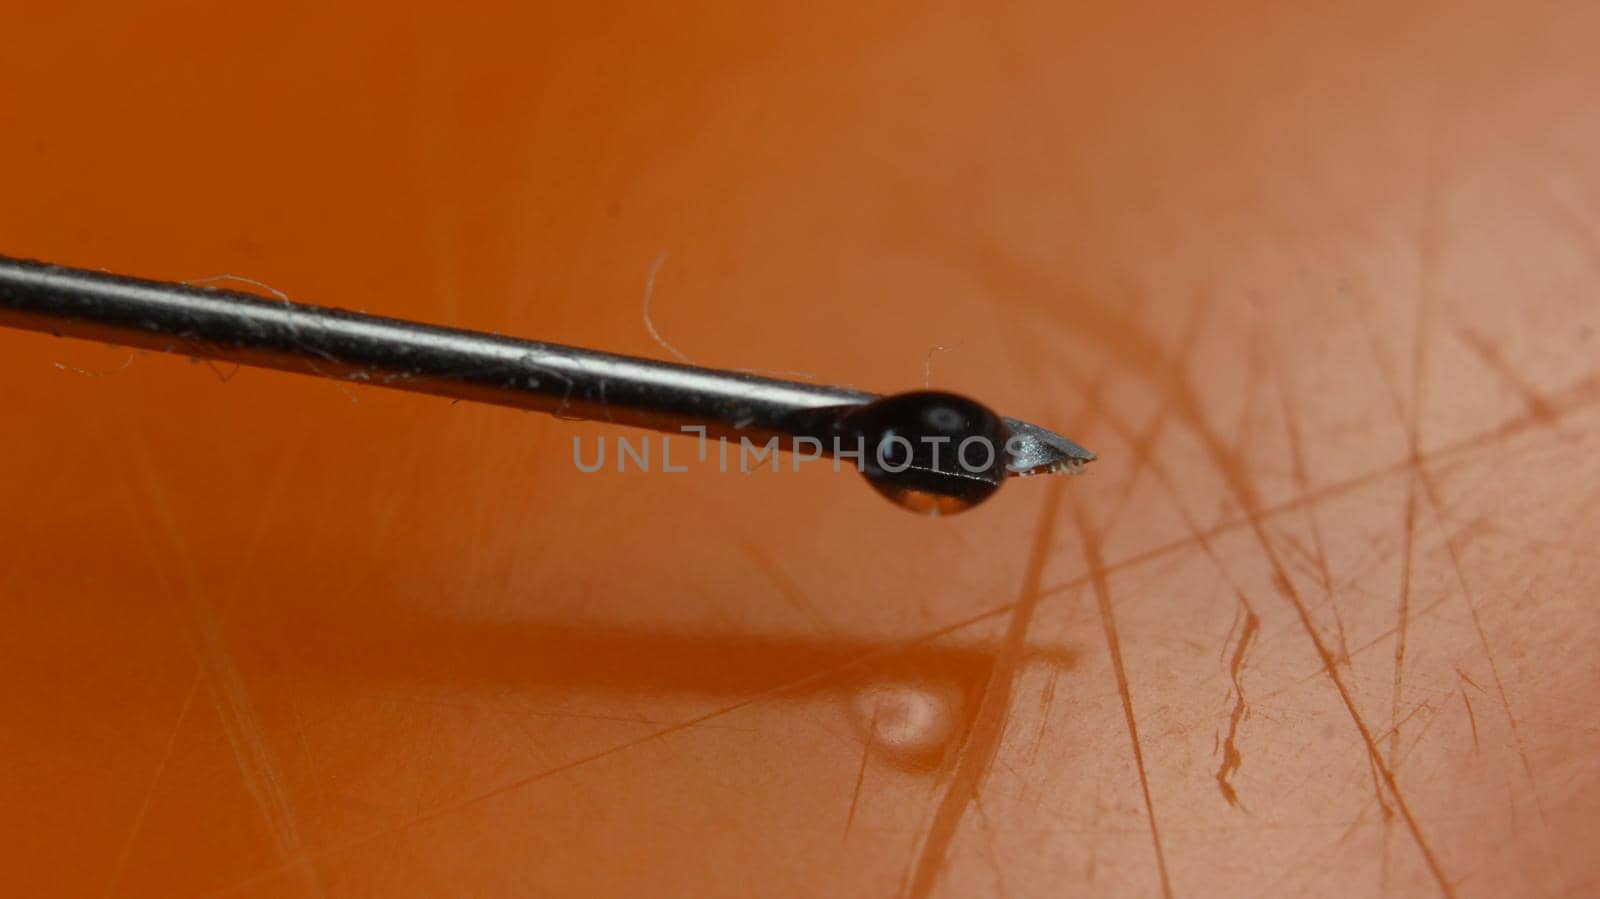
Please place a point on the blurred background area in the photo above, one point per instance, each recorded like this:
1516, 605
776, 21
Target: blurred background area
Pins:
1317, 285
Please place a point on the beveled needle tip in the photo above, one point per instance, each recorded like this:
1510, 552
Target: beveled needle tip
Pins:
1034, 450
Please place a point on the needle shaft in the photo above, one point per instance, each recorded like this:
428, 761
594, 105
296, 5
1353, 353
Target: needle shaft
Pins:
233, 326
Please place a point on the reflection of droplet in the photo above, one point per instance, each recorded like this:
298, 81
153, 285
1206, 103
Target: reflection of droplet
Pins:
924, 502
908, 722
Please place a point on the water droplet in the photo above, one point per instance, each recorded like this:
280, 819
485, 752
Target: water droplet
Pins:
930, 451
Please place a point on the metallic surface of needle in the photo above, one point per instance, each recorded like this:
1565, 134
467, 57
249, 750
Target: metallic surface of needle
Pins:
565, 381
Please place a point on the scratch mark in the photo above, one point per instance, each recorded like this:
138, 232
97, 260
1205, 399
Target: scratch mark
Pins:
1315, 867
791, 592
1360, 650
1255, 518
978, 749
1231, 759
1403, 613
1471, 718
1047, 700
581, 716
231, 699
861, 662
1424, 298
861, 773
1302, 479
1383, 804
1297, 551
1431, 491
1545, 412
1576, 396
1248, 413
1538, 408
1420, 707
1143, 445
305, 750
123, 855
1102, 592
1422, 733
994, 860
1233, 473
1329, 665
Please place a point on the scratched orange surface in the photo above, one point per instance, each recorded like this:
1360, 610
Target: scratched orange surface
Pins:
1320, 287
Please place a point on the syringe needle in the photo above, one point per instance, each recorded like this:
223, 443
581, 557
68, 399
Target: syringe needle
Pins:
226, 325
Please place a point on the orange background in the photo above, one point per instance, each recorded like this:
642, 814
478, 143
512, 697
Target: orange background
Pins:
1319, 288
